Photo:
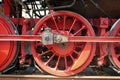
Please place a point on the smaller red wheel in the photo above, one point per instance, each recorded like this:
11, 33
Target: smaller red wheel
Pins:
7, 49
114, 48
64, 59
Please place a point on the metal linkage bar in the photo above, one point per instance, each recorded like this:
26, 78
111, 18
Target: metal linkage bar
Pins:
70, 38
93, 39
20, 38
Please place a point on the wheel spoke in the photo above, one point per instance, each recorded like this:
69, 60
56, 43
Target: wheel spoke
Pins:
87, 33
64, 20
118, 55
45, 25
65, 62
46, 63
38, 54
56, 67
79, 30
76, 52
55, 23
72, 58
43, 53
72, 25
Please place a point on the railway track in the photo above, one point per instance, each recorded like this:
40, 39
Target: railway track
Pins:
49, 77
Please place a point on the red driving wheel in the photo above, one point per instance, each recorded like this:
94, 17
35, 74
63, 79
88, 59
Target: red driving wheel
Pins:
7, 49
114, 48
64, 59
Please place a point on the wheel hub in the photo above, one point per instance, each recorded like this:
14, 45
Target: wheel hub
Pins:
63, 46
63, 49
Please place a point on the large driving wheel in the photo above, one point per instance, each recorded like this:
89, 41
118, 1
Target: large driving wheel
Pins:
114, 48
63, 59
7, 49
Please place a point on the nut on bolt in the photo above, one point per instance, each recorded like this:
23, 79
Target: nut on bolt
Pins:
47, 38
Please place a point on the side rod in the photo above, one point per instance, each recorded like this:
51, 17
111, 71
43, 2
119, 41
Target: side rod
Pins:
93, 39
20, 38
70, 38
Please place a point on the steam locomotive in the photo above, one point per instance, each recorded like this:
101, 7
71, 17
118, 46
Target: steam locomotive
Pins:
60, 37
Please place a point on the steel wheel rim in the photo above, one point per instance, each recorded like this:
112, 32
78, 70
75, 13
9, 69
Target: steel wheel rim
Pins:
114, 47
8, 49
53, 69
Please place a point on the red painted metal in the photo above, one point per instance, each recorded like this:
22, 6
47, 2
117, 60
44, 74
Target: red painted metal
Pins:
64, 59
7, 49
26, 30
7, 9
104, 24
100, 39
20, 38
93, 39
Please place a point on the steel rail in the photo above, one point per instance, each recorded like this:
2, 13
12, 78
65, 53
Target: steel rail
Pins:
70, 38
49, 77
